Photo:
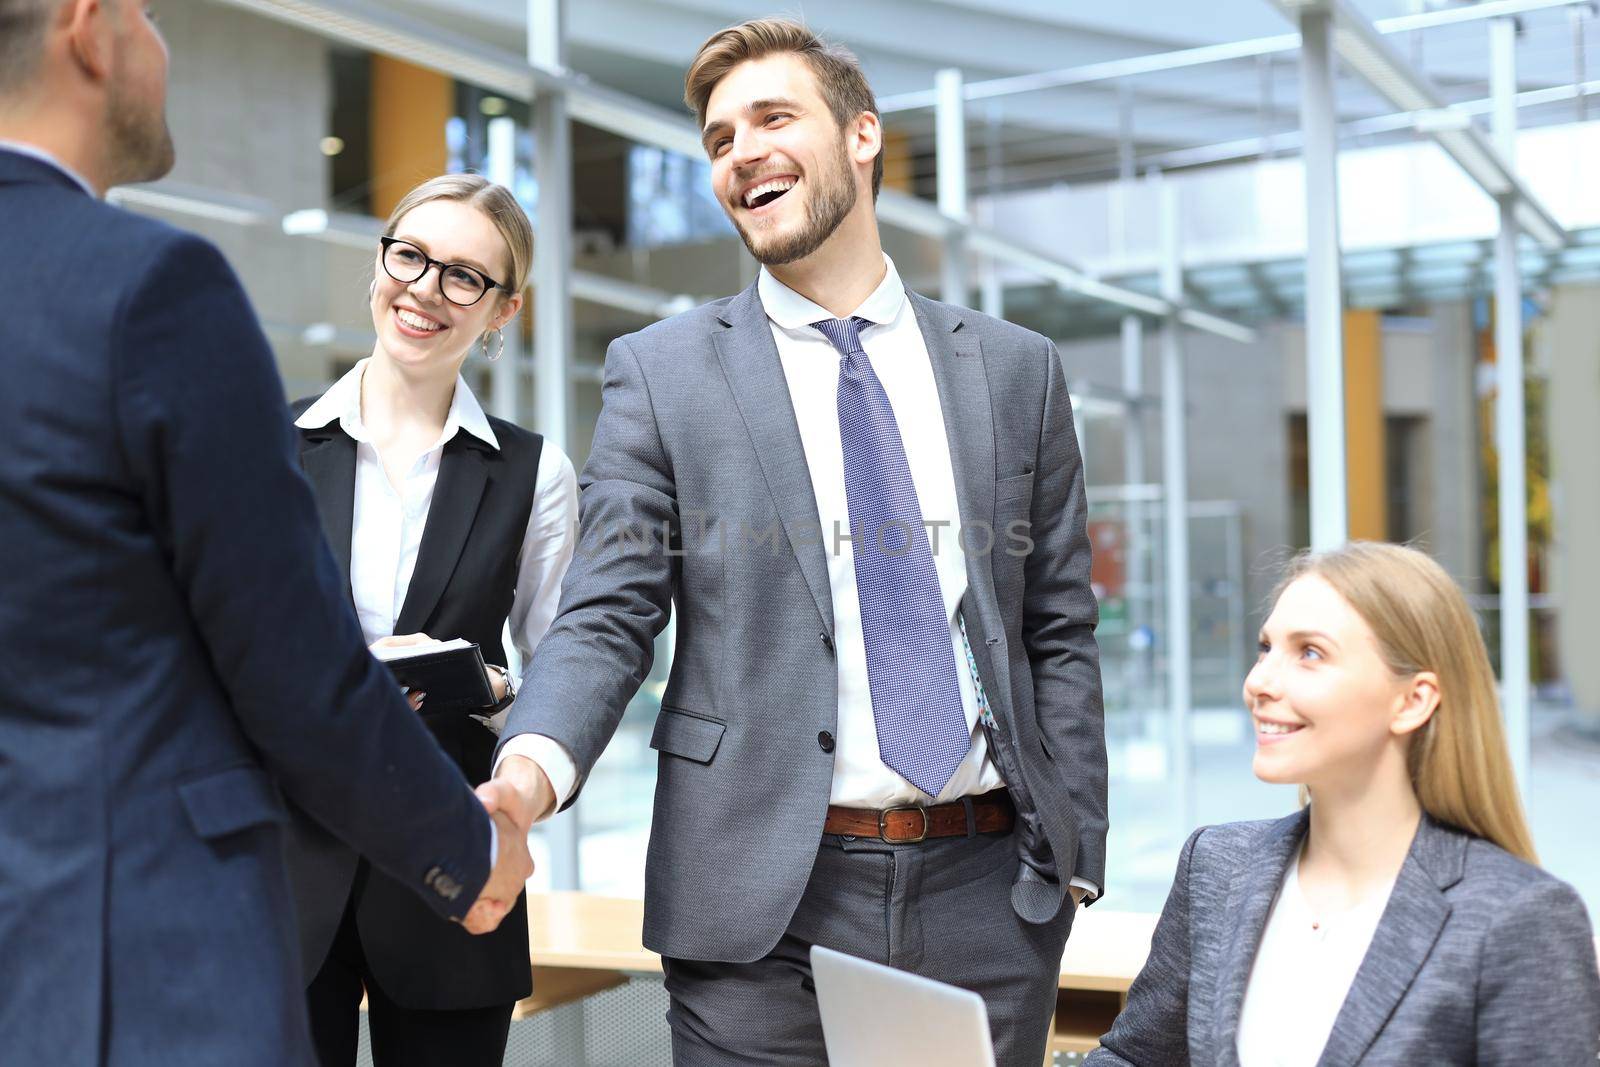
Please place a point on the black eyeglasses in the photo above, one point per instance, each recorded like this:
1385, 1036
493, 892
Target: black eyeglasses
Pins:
461, 285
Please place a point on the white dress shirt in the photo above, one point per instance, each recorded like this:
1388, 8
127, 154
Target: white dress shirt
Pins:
388, 520
899, 356
35, 152
1302, 973
894, 343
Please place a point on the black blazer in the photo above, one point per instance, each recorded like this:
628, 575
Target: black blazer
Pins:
177, 655
462, 586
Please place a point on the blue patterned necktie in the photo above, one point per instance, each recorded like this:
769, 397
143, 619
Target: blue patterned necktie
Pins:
911, 662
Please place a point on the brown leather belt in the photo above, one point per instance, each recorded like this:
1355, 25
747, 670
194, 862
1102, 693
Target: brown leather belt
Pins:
991, 813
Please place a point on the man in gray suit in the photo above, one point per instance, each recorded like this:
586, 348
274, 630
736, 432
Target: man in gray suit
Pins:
883, 730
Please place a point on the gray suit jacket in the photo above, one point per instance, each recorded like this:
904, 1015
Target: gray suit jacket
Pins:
697, 492
1479, 959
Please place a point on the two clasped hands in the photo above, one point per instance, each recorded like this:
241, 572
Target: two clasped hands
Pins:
513, 866
516, 798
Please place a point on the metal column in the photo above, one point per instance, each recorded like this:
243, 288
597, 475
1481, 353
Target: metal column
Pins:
1175, 497
1330, 521
552, 304
1138, 532
991, 290
1510, 439
951, 160
506, 374
1133, 390
552, 260
1132, 325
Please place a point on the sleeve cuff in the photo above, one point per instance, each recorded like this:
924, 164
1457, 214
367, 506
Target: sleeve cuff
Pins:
1090, 890
552, 758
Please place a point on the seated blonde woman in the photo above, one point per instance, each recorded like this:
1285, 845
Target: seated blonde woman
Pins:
1400, 918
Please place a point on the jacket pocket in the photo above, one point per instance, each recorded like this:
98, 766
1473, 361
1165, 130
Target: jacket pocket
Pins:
683, 733
228, 801
1008, 491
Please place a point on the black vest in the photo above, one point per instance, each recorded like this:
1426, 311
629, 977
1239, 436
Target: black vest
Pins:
463, 586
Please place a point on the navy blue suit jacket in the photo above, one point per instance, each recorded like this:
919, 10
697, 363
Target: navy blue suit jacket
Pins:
176, 646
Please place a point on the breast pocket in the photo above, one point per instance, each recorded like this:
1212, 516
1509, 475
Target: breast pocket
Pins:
683, 733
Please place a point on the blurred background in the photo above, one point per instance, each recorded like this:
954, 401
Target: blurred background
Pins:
1313, 272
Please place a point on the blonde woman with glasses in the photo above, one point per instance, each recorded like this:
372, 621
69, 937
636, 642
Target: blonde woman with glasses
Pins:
1400, 917
449, 523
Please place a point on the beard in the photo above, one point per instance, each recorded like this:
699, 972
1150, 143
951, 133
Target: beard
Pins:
830, 200
140, 140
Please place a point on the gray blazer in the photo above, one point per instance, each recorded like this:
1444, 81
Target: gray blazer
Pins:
1479, 959
696, 494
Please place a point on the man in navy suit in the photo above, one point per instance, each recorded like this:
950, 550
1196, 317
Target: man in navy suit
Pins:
175, 646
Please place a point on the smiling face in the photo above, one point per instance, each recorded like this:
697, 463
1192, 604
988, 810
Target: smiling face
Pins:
417, 327
1327, 708
783, 169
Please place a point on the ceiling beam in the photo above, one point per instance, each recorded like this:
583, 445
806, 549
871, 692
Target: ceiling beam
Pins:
1184, 58
1363, 50
365, 25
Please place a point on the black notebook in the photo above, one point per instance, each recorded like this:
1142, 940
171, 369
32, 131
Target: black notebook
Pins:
450, 672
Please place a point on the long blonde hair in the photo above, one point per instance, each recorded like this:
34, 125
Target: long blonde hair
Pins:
1460, 767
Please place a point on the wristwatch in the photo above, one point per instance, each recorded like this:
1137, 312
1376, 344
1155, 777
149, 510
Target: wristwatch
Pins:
511, 686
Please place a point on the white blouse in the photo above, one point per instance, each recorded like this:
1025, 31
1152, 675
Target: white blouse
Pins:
1302, 973
388, 520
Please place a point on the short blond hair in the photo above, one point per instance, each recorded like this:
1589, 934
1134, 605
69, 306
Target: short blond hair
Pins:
495, 201
1460, 765
839, 78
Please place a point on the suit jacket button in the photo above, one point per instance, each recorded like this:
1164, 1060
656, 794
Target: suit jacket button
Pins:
827, 642
825, 741
442, 884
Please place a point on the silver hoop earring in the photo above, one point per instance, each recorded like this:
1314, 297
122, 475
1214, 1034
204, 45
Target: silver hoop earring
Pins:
499, 348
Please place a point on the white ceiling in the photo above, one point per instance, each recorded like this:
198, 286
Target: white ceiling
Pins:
642, 47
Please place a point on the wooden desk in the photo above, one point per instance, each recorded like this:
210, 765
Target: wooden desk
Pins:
580, 945
584, 931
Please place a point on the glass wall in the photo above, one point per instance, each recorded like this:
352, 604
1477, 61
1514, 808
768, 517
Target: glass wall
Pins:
648, 217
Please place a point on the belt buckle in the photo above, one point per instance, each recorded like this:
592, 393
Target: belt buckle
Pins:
883, 825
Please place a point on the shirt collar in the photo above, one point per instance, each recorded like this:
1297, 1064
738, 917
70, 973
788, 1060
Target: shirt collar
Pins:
35, 152
342, 401
791, 311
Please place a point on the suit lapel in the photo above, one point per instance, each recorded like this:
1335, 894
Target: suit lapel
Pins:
959, 373
329, 461
463, 474
1405, 936
958, 369
1255, 887
750, 362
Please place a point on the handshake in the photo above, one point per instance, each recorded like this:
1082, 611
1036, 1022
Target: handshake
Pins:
517, 797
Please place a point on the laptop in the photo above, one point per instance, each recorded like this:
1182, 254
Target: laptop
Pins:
876, 1016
